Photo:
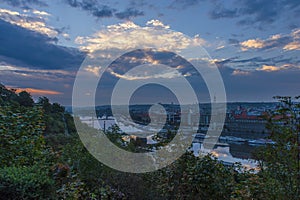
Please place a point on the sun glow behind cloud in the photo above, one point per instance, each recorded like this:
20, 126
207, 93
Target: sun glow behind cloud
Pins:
271, 68
34, 20
286, 42
130, 35
252, 43
292, 46
34, 91
166, 74
93, 69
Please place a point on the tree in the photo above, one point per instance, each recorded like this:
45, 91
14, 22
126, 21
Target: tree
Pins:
7, 96
192, 177
53, 117
279, 162
45, 103
25, 99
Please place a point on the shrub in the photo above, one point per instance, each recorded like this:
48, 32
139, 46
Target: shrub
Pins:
25, 183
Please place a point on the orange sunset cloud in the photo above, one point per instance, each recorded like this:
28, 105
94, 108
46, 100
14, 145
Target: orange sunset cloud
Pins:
37, 91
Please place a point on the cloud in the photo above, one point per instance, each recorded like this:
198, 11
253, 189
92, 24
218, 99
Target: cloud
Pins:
142, 4
135, 59
296, 33
157, 23
43, 74
241, 66
35, 23
238, 72
292, 46
129, 13
286, 42
252, 43
254, 13
150, 74
39, 82
100, 10
93, 70
93, 7
271, 68
220, 47
222, 61
23, 47
249, 12
221, 12
34, 91
41, 13
130, 35
233, 42
25, 3
259, 11
183, 4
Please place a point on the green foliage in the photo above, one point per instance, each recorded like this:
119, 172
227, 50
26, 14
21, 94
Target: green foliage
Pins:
42, 157
6, 95
25, 99
90, 174
27, 182
191, 177
70, 124
279, 162
21, 140
10, 97
55, 118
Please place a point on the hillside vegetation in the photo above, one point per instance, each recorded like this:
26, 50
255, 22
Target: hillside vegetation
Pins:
42, 157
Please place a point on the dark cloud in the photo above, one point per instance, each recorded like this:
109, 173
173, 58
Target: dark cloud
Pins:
29, 48
105, 11
99, 10
237, 35
25, 3
224, 62
129, 13
241, 85
248, 12
92, 6
252, 12
125, 63
233, 41
281, 42
256, 62
182, 4
221, 12
260, 10
291, 3
140, 4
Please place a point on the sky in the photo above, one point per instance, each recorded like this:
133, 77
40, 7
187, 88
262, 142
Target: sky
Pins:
255, 44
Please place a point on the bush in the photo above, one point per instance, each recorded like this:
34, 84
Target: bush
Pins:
21, 140
25, 183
